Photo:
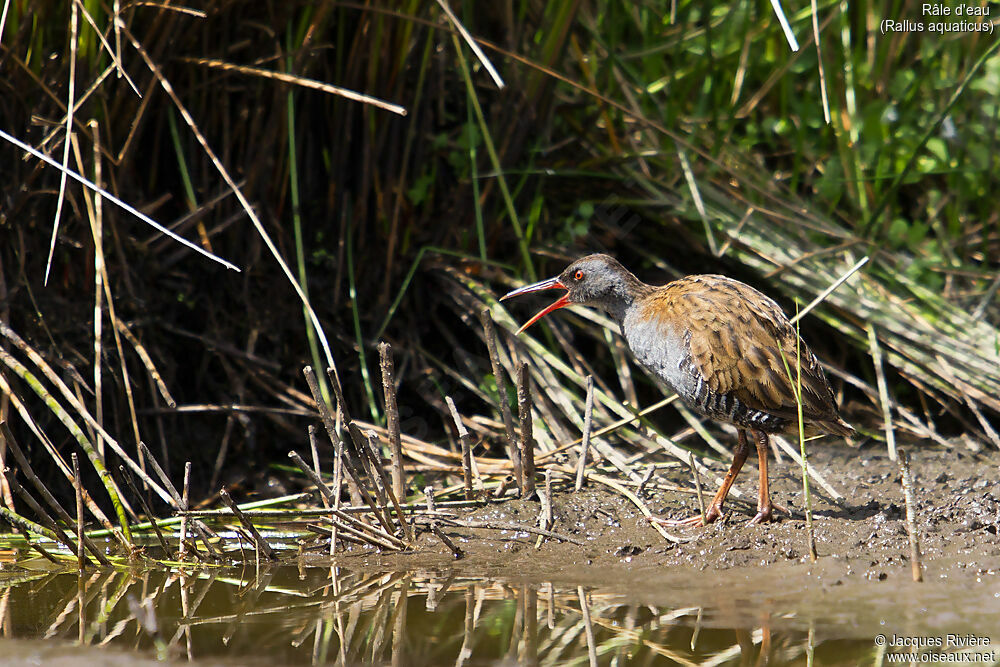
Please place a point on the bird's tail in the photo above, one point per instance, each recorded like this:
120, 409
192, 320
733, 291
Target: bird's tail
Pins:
838, 427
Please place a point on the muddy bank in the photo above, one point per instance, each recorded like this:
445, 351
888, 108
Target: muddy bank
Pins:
860, 537
732, 594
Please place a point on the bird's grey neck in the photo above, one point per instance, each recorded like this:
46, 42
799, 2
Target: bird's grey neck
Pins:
616, 308
624, 297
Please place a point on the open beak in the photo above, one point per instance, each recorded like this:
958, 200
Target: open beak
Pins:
551, 283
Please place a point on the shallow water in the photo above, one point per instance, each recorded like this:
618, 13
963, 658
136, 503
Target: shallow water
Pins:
797, 614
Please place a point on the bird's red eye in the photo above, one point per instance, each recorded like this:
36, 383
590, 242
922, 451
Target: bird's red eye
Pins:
579, 275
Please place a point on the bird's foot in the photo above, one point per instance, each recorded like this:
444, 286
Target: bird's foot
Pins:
766, 514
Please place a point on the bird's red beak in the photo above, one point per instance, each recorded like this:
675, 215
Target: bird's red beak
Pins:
551, 283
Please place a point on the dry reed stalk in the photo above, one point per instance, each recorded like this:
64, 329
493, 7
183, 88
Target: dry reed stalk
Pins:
24, 524
347, 531
588, 415
78, 492
466, 440
338, 488
319, 511
348, 534
465, 652
147, 361
338, 393
173, 497
499, 525
697, 486
883, 392
53, 528
697, 628
400, 645
546, 519
548, 501
97, 232
512, 656
796, 383
94, 213
550, 607
477, 477
207, 535
70, 108
78, 408
637, 501
331, 430
646, 477
262, 546
529, 594
429, 498
456, 553
314, 450
392, 420
473, 45
333, 426
588, 626
299, 81
377, 465
613, 427
911, 516
31, 543
193, 550
370, 528
142, 501
489, 332
331, 531
182, 547
313, 476
810, 469
26, 469
35, 384
425, 452
371, 464
504, 484
527, 439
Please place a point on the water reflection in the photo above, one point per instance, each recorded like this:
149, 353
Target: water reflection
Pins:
334, 616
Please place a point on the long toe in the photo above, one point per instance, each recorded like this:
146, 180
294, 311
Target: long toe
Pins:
763, 516
692, 521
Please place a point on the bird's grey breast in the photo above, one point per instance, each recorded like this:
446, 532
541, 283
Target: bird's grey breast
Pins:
661, 348
664, 347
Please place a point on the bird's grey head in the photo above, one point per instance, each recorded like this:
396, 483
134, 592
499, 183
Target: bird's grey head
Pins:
595, 280
600, 281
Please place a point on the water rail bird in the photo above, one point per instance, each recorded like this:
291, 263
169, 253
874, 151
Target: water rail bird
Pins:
721, 345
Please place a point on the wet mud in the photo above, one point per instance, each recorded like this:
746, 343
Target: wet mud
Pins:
730, 594
861, 538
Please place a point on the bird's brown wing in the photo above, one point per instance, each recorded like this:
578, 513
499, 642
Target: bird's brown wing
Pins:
737, 339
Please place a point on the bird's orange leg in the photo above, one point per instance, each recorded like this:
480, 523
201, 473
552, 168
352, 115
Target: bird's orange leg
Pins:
764, 505
714, 510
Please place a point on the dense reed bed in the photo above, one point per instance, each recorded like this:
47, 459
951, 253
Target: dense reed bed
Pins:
381, 171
